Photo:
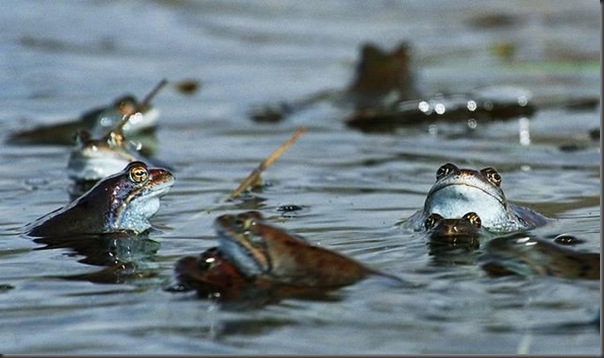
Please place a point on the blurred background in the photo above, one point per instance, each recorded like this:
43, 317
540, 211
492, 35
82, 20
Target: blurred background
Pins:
226, 59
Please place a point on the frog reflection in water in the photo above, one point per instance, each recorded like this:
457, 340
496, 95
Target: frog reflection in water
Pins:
255, 259
121, 202
459, 191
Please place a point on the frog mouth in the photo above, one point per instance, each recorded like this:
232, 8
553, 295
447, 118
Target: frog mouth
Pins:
250, 260
162, 185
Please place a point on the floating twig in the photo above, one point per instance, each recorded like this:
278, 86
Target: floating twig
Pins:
254, 176
139, 107
150, 95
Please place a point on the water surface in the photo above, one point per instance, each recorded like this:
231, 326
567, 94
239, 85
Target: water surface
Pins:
58, 60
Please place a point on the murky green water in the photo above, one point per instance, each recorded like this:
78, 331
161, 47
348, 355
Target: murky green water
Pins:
59, 59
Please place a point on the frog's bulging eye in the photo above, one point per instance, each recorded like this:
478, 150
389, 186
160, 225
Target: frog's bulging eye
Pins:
492, 176
474, 219
432, 220
445, 170
244, 223
138, 174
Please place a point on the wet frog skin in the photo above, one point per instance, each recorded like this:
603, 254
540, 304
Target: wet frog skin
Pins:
528, 255
379, 76
93, 159
121, 202
459, 191
98, 121
257, 260
464, 231
262, 249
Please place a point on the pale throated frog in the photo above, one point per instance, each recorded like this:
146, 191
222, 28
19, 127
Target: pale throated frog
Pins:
121, 202
460, 191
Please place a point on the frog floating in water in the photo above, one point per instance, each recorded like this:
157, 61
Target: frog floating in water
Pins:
384, 95
121, 202
257, 258
92, 159
529, 255
459, 191
379, 76
98, 121
453, 233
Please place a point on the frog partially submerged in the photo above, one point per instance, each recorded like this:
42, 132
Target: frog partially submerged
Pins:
255, 257
93, 158
121, 202
384, 95
526, 255
459, 191
454, 232
379, 76
98, 121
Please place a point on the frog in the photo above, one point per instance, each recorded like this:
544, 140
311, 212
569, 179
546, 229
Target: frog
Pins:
124, 201
384, 95
458, 191
454, 232
254, 256
380, 75
528, 254
93, 158
99, 121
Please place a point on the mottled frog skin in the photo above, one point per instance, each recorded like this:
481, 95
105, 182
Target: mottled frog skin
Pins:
529, 255
460, 191
121, 202
258, 248
259, 261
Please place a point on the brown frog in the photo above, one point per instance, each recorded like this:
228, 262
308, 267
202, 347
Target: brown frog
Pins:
379, 76
529, 255
457, 232
255, 257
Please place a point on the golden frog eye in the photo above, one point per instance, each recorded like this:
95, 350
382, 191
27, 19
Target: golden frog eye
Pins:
492, 176
138, 174
474, 219
244, 223
445, 170
432, 220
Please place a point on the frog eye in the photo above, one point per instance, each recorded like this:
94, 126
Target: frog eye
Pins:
445, 170
116, 139
244, 223
432, 220
474, 219
138, 174
492, 175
